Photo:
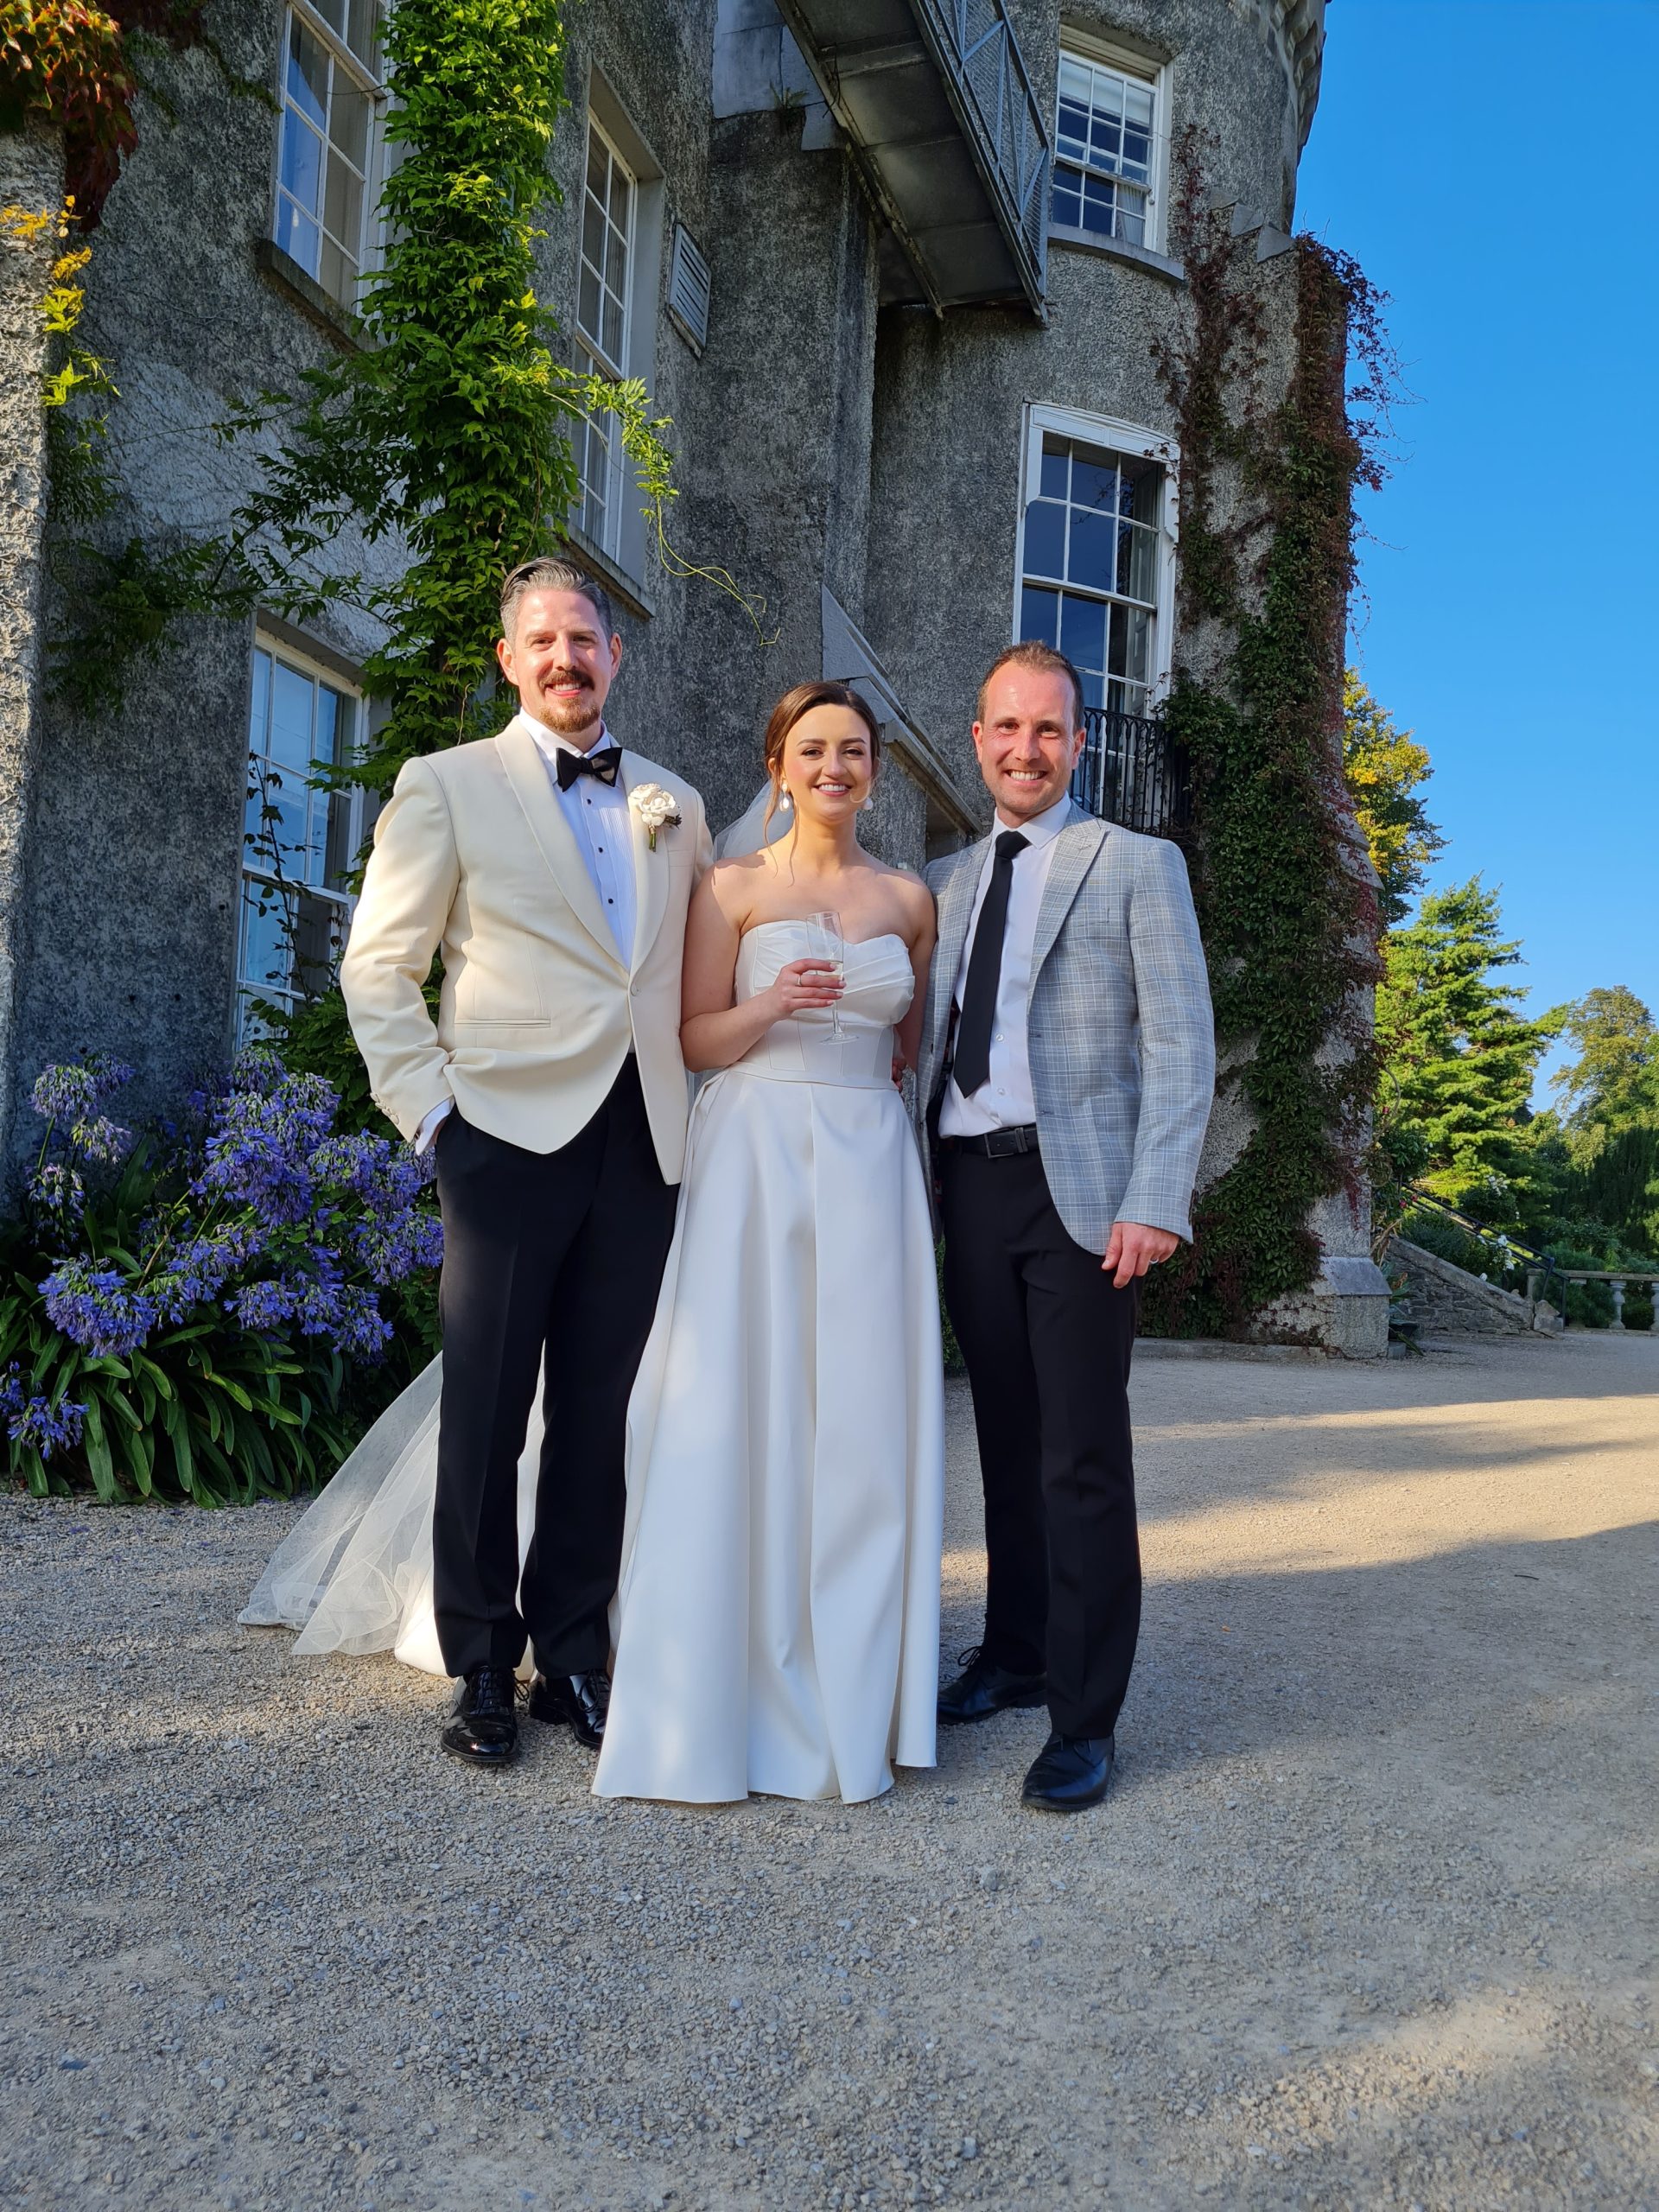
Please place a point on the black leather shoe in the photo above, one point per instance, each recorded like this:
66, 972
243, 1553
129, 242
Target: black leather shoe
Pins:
484, 1728
983, 1689
579, 1702
1070, 1772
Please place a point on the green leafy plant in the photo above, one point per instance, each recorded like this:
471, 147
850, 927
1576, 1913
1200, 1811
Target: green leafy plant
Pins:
1289, 919
215, 1310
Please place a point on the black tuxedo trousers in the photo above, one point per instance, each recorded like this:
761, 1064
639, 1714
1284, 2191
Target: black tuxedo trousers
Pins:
1047, 1339
561, 1253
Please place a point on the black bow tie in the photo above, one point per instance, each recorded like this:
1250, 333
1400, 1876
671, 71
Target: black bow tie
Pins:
603, 763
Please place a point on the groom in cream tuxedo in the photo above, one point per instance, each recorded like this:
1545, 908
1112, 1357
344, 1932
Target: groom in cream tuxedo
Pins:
551, 869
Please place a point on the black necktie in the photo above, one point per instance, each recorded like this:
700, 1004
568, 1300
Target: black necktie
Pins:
604, 764
973, 1063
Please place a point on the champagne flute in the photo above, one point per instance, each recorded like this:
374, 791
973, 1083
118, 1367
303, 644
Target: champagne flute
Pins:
823, 935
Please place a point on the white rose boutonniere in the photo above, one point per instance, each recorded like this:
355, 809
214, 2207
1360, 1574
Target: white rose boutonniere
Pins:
656, 808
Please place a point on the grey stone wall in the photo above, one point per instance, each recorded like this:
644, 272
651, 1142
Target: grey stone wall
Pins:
31, 178
1448, 1302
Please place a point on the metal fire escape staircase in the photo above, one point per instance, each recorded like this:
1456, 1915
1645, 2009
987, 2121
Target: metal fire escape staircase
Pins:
938, 106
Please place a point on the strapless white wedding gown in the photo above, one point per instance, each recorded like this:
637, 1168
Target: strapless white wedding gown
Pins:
777, 1622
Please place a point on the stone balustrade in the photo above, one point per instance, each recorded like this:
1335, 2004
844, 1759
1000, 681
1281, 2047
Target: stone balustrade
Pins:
1618, 1281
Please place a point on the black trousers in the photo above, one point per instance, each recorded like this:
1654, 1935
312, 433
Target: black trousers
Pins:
562, 1251
1047, 1340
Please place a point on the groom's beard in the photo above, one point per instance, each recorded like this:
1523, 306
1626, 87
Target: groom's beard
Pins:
569, 717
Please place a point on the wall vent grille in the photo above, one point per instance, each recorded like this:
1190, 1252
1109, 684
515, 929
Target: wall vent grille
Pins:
688, 290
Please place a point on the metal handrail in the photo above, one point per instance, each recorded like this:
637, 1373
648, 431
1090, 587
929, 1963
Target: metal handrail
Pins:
1504, 1247
979, 57
1133, 771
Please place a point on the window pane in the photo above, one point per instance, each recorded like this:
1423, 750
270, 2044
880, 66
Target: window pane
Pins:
342, 211
1132, 218
611, 335
298, 235
1072, 136
1068, 199
337, 273
307, 72
1105, 143
361, 27
1044, 539
259, 711
588, 302
598, 166
1094, 480
1089, 560
1137, 106
1040, 614
1074, 81
340, 857
1137, 644
1083, 631
333, 13
1138, 561
325, 750
317, 943
1057, 467
1099, 206
348, 123
301, 168
621, 198
1137, 155
265, 957
593, 231
291, 695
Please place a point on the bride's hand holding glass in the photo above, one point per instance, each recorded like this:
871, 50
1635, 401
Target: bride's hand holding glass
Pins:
804, 986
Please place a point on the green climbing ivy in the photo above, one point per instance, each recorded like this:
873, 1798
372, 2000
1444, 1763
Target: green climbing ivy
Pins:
1287, 910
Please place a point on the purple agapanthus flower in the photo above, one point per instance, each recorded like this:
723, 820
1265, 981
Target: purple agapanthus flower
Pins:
260, 1147
58, 1190
264, 1308
98, 1309
36, 1420
72, 1092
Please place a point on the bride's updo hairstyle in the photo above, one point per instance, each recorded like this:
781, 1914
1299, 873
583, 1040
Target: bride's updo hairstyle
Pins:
800, 700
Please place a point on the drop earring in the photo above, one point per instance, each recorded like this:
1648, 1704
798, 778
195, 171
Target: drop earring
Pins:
784, 802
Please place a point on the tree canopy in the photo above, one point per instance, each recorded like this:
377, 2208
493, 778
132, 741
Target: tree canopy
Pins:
1459, 1053
1384, 766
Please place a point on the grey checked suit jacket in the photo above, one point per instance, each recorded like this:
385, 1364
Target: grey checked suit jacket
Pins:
1121, 1036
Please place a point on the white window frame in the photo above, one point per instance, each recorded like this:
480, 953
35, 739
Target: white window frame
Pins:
1136, 442
623, 539
366, 79
1122, 61
600, 436
250, 873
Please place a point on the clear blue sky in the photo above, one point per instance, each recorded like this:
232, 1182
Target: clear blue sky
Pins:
1482, 160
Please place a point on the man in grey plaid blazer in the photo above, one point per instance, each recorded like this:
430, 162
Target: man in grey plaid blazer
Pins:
1067, 1067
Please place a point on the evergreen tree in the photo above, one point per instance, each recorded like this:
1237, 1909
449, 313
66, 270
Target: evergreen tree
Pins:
1459, 1053
1615, 1080
1383, 767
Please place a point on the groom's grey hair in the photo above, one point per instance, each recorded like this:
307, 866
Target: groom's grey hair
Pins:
548, 573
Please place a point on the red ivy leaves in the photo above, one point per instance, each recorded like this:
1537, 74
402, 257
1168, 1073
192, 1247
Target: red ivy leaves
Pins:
66, 63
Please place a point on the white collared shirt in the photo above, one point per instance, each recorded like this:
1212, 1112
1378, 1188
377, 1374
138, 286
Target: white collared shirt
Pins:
598, 814
1005, 1100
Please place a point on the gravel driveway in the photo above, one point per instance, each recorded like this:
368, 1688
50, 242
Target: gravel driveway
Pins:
1368, 1921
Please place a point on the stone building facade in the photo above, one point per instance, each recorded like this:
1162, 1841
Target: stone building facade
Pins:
896, 270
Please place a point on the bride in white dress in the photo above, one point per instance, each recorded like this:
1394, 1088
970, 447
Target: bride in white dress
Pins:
776, 1621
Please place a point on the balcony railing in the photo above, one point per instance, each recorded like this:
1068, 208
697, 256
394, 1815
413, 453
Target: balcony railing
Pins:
1133, 772
939, 111
985, 73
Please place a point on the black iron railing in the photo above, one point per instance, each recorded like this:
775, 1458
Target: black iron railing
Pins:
1133, 772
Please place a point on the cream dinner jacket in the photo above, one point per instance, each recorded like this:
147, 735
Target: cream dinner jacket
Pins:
473, 857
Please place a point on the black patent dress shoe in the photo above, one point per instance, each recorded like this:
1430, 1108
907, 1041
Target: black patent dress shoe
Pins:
983, 1689
484, 1728
1070, 1772
578, 1702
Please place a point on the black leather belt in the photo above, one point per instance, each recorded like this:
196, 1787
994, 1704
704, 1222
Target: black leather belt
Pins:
994, 1144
